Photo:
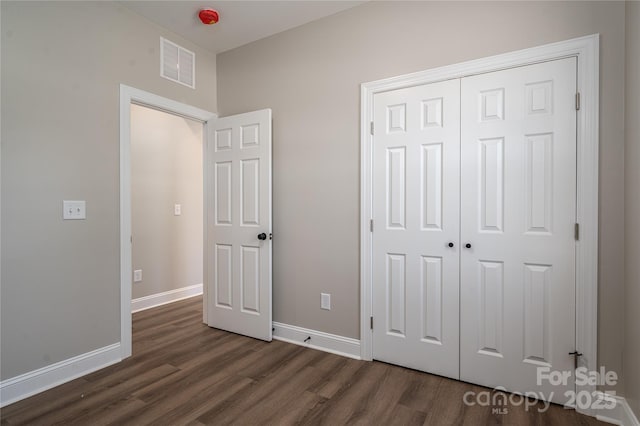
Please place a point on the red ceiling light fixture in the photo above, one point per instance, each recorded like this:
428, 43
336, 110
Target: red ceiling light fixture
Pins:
208, 16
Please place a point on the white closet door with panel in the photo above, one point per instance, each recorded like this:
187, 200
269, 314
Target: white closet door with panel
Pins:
239, 224
416, 160
518, 209
474, 207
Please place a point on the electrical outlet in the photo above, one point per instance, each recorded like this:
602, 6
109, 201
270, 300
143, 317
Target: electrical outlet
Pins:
325, 301
137, 275
177, 209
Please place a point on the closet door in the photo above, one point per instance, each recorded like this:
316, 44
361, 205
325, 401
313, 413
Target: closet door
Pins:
518, 198
416, 159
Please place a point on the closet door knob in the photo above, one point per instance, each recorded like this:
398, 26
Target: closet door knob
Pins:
468, 245
450, 244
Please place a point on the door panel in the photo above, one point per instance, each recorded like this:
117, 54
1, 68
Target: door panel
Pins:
416, 214
503, 191
223, 276
239, 165
518, 186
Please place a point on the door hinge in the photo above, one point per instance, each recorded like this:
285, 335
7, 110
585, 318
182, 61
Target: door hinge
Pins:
371, 225
371, 322
371, 128
576, 232
578, 101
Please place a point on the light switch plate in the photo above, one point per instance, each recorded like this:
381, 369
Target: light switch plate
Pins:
177, 209
74, 210
325, 301
137, 275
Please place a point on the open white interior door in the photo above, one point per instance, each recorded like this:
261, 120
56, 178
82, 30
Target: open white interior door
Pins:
239, 224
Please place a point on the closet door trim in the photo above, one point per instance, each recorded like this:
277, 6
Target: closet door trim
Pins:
586, 50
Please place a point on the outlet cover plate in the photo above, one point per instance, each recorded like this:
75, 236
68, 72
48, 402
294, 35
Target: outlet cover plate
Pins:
325, 301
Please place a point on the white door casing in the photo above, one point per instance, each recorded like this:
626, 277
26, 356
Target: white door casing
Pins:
416, 157
518, 209
128, 96
239, 210
586, 52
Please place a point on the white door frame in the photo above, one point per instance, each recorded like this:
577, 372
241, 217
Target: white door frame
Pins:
128, 96
586, 50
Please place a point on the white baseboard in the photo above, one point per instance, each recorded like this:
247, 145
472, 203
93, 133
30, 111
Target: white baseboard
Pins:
159, 299
332, 343
621, 414
33, 382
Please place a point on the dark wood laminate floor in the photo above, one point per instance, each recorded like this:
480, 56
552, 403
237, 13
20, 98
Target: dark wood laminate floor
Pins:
183, 372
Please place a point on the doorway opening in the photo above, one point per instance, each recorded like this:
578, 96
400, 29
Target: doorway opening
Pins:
131, 100
166, 207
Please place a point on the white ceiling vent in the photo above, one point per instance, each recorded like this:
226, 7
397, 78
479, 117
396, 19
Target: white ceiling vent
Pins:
177, 63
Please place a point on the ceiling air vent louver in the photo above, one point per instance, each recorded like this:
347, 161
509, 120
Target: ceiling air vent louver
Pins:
177, 63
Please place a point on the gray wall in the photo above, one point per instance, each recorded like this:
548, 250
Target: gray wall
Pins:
62, 64
632, 208
166, 169
310, 77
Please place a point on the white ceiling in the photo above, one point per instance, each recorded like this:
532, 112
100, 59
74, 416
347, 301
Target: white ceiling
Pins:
241, 22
